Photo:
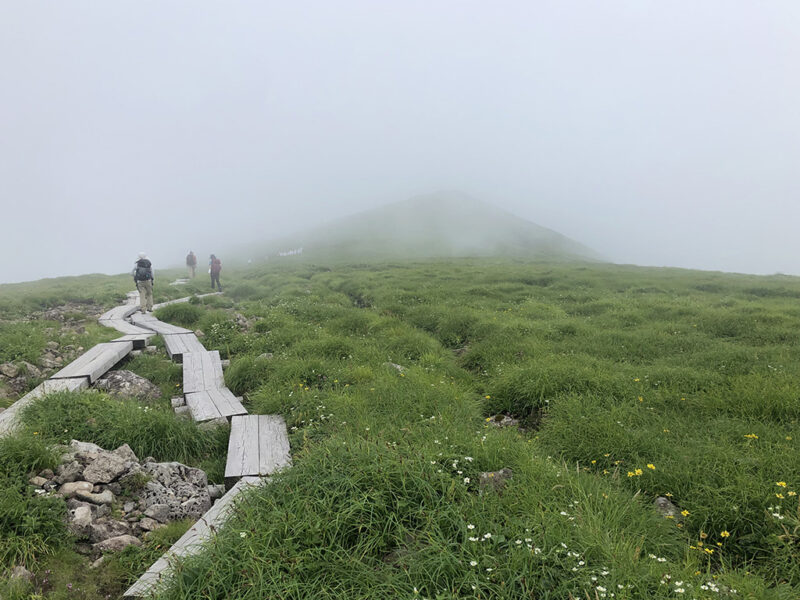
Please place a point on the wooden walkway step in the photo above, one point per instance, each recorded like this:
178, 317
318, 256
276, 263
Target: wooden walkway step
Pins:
202, 371
139, 340
94, 363
191, 542
179, 344
150, 322
214, 404
9, 418
119, 312
124, 327
258, 446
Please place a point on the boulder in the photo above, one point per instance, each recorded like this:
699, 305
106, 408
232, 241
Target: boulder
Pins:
148, 524
37, 481
20, 573
216, 491
80, 522
48, 362
85, 447
126, 453
104, 497
52, 345
667, 509
106, 468
104, 529
115, 544
31, 370
159, 512
495, 480
68, 472
126, 384
71, 489
10, 370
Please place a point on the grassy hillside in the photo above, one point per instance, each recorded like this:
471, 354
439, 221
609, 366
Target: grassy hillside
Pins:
628, 384
445, 224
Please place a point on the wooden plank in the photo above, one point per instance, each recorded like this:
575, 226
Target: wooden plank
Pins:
125, 327
139, 340
157, 576
182, 343
150, 322
273, 445
9, 418
119, 312
202, 371
243, 447
94, 363
227, 404
202, 407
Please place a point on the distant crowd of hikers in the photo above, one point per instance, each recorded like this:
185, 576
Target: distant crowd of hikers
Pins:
143, 276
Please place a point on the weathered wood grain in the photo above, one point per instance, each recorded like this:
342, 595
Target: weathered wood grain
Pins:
182, 343
191, 542
95, 362
125, 327
148, 321
202, 371
139, 340
214, 404
267, 455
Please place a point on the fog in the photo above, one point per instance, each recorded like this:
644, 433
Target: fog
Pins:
656, 133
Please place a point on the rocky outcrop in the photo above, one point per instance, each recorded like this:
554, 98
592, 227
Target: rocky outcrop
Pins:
113, 499
126, 384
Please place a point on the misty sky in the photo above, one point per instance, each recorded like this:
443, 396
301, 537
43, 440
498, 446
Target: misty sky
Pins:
658, 133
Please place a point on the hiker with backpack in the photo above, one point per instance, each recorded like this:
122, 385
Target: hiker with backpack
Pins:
143, 277
214, 267
191, 263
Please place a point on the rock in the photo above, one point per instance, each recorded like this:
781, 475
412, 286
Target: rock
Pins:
105, 528
266, 356
115, 488
52, 345
128, 507
212, 424
105, 497
216, 491
503, 421
47, 474
97, 563
495, 480
183, 411
667, 509
136, 352
159, 512
80, 522
115, 544
126, 384
183, 489
106, 468
148, 524
126, 453
20, 573
151, 349
399, 368
199, 333
31, 370
71, 489
37, 481
47, 362
176, 402
68, 472
10, 370
86, 447
225, 363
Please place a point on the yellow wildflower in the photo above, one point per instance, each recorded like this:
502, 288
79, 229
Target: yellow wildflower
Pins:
779, 496
725, 533
651, 466
703, 535
751, 436
780, 483
685, 513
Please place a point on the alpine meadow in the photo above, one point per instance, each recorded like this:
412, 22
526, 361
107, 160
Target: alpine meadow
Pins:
460, 428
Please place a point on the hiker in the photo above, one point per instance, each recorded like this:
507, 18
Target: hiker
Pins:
214, 267
143, 277
191, 263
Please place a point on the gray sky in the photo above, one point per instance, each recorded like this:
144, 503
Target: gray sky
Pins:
659, 133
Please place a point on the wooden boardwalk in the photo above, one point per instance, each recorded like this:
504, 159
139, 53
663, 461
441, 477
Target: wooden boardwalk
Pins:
94, 363
191, 543
182, 343
219, 403
202, 371
148, 321
258, 446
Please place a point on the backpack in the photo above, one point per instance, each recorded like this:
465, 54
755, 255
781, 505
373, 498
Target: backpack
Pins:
216, 265
143, 271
